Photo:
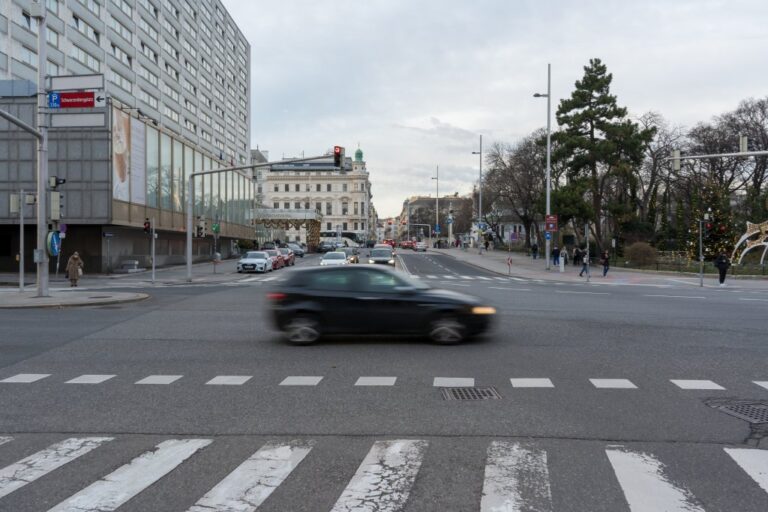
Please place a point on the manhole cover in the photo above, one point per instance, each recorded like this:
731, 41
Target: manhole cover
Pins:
470, 394
753, 411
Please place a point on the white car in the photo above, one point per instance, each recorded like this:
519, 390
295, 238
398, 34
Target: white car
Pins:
420, 246
254, 261
333, 259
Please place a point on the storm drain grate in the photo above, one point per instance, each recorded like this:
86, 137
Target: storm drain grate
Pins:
470, 394
752, 411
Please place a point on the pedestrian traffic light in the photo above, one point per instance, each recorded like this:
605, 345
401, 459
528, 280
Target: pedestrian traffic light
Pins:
147, 226
338, 155
55, 181
199, 232
200, 227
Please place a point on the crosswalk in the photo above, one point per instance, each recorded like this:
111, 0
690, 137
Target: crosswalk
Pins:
516, 475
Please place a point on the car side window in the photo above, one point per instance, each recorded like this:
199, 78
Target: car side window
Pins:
330, 281
376, 282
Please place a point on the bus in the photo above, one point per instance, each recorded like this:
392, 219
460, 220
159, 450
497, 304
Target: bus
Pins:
347, 238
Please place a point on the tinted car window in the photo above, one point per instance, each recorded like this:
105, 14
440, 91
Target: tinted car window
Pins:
330, 281
256, 255
284, 251
272, 252
381, 253
334, 256
376, 282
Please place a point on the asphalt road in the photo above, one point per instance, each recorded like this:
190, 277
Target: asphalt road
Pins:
595, 412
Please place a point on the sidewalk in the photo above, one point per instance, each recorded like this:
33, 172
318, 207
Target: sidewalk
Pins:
526, 267
13, 299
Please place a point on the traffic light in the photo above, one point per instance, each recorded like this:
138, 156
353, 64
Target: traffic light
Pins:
199, 232
338, 155
201, 227
147, 226
707, 227
55, 181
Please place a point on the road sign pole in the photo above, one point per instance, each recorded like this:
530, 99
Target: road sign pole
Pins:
42, 158
22, 200
153, 250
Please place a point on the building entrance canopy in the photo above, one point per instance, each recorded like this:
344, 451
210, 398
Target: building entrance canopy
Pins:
286, 219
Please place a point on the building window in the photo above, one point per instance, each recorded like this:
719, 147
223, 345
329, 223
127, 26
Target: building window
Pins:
328, 209
169, 112
297, 205
53, 6
297, 187
193, 128
343, 187
306, 205
85, 58
173, 52
91, 5
344, 226
52, 37
318, 187
121, 29
85, 29
355, 207
287, 187
170, 92
328, 226
147, 98
123, 5
147, 75
328, 187
344, 208
287, 206
318, 207
120, 81
147, 28
149, 53
355, 226
149, 6
120, 55
277, 187
276, 206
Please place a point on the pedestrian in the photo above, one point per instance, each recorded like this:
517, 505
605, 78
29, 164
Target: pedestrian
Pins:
576, 256
564, 255
487, 243
722, 263
556, 256
535, 250
74, 269
606, 261
584, 263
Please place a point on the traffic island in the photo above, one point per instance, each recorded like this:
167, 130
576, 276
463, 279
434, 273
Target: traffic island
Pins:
66, 299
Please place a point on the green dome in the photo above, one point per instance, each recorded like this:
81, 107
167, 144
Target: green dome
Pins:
359, 155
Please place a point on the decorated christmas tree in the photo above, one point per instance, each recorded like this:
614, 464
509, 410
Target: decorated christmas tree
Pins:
713, 207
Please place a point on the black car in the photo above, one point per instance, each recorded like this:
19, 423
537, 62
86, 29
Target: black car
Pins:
297, 250
326, 246
363, 299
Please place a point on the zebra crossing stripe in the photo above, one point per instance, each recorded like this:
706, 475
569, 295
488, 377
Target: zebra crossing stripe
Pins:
39, 464
516, 479
246, 488
26, 378
385, 477
466, 277
753, 462
484, 278
4, 440
645, 486
127, 481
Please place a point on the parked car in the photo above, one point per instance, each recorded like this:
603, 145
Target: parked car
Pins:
390, 242
297, 250
254, 261
333, 258
382, 255
407, 244
277, 259
351, 253
268, 245
420, 246
288, 256
326, 246
360, 299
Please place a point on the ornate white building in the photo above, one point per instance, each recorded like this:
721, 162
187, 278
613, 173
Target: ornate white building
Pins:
342, 196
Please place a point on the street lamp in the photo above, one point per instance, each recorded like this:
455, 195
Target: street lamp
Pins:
549, 150
480, 189
436, 177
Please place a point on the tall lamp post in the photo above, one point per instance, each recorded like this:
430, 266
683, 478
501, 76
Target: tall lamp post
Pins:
549, 148
436, 177
480, 189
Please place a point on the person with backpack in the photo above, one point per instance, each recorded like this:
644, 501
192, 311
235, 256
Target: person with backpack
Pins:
722, 263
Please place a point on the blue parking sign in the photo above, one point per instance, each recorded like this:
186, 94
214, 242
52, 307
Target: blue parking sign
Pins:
548, 235
54, 100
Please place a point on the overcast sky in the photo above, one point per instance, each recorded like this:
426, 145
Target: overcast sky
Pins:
415, 82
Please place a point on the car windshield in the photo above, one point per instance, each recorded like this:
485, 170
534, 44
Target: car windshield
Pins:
381, 253
334, 256
284, 250
256, 256
272, 252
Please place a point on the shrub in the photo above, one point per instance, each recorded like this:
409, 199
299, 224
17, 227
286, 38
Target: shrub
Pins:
641, 254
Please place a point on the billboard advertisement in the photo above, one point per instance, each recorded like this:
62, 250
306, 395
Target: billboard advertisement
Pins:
138, 162
121, 155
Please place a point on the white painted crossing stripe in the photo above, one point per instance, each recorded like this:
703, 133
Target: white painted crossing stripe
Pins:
499, 278
612, 383
301, 381
518, 279
272, 278
516, 479
246, 488
229, 380
676, 296
39, 464
453, 382
90, 379
384, 479
754, 462
696, 384
585, 293
5, 439
414, 276
466, 277
26, 378
250, 279
645, 485
376, 381
761, 383
509, 289
483, 278
159, 379
449, 277
759, 300
531, 383
127, 481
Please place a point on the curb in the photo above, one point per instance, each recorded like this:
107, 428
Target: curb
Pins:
136, 298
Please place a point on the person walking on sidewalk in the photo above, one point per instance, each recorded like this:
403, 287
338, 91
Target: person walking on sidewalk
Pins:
74, 269
556, 256
535, 250
564, 255
576, 256
606, 261
584, 264
722, 263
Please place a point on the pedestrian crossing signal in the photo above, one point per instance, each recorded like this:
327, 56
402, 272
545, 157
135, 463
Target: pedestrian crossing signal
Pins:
147, 226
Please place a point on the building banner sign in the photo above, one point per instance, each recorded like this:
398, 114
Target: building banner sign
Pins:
138, 162
121, 155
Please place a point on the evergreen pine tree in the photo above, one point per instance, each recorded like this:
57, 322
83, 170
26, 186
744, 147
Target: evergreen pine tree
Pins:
719, 232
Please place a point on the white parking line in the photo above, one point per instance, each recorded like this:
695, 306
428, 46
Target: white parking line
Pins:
90, 379
453, 382
301, 381
696, 384
229, 380
159, 379
4, 440
26, 378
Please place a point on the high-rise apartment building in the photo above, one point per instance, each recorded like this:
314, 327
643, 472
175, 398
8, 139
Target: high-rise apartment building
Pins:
183, 63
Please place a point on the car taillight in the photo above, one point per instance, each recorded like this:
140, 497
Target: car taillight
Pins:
276, 296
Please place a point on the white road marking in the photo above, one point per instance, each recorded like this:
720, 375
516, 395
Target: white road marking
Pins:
484, 278
761, 383
516, 479
587, 293
754, 462
272, 278
759, 300
246, 488
612, 383
301, 381
696, 384
251, 279
229, 380
159, 379
508, 288
645, 486
384, 479
90, 379
4, 439
531, 383
449, 277
518, 279
127, 481
39, 464
499, 278
376, 381
676, 296
430, 277
26, 378
453, 382
466, 277
457, 284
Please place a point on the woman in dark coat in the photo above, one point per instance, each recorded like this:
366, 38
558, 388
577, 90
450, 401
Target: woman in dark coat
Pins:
722, 263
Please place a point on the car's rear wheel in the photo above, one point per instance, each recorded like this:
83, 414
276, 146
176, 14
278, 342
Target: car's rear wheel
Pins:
303, 329
447, 330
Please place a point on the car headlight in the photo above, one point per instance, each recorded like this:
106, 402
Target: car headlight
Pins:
391, 262
483, 310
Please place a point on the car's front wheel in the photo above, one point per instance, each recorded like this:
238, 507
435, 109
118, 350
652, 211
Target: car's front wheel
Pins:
447, 330
303, 329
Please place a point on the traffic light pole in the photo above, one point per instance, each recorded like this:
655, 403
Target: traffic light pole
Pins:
152, 234
42, 157
701, 253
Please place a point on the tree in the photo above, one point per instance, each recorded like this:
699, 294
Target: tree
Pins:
718, 233
597, 141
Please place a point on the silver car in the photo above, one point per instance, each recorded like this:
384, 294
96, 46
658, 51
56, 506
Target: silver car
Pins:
254, 261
